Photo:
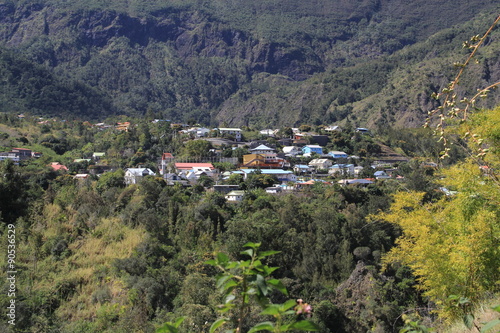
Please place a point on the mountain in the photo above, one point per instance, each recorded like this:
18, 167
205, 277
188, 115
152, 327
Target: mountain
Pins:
254, 63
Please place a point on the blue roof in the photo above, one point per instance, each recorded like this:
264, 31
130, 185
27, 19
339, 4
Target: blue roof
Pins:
262, 147
302, 166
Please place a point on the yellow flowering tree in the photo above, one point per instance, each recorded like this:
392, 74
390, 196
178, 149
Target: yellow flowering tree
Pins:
453, 244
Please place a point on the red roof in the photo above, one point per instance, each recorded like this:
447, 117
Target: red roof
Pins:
189, 166
57, 166
167, 156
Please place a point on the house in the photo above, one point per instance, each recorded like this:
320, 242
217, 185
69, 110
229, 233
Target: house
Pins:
357, 170
381, 175
123, 126
364, 182
225, 188
321, 140
263, 149
273, 189
36, 154
190, 166
58, 166
342, 170
362, 130
172, 179
81, 176
302, 168
269, 132
82, 160
333, 128
23, 153
135, 175
10, 155
236, 132
262, 161
166, 158
338, 154
321, 163
280, 174
235, 196
291, 151
97, 156
202, 132
309, 149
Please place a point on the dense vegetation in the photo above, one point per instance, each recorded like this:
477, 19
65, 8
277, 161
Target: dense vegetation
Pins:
98, 256
256, 63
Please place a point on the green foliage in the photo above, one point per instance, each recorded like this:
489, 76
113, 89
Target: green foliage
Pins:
244, 281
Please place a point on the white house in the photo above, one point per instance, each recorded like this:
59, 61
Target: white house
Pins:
263, 150
135, 175
321, 163
333, 128
202, 131
342, 170
381, 175
235, 196
291, 150
231, 131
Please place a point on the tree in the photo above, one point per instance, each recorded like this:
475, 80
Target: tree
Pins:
196, 148
452, 244
111, 179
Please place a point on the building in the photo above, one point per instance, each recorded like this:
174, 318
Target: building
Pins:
280, 174
135, 175
166, 158
342, 170
338, 154
58, 166
309, 149
291, 151
263, 161
23, 153
263, 149
236, 132
321, 163
235, 196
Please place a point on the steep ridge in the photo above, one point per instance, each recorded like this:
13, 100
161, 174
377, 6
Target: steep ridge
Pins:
255, 63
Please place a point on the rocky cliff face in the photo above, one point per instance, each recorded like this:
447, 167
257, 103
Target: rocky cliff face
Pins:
190, 33
191, 63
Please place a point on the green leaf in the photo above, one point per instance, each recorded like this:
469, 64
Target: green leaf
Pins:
248, 252
211, 262
222, 280
277, 284
167, 328
179, 321
496, 308
252, 245
267, 253
268, 270
305, 325
265, 326
217, 324
229, 285
272, 310
222, 258
469, 320
229, 298
490, 325
288, 304
261, 284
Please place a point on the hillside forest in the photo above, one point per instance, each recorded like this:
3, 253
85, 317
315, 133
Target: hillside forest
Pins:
218, 166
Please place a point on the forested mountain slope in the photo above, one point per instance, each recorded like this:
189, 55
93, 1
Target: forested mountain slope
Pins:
251, 63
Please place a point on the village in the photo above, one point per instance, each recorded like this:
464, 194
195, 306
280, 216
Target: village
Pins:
289, 159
